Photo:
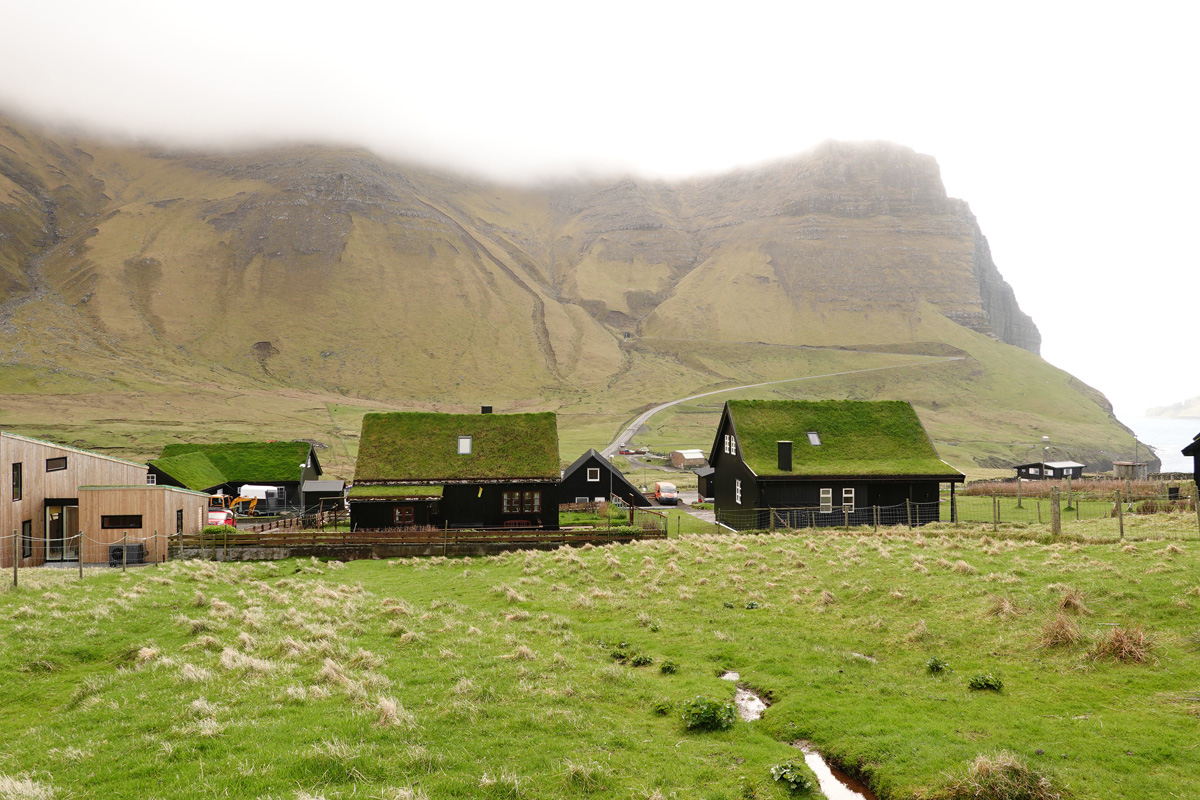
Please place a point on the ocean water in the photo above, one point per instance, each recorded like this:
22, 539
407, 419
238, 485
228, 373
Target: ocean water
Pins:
1168, 437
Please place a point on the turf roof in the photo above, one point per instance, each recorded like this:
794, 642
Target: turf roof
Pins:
372, 492
202, 466
423, 446
857, 438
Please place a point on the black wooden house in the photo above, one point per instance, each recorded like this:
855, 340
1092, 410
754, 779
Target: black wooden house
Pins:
418, 469
824, 463
1193, 450
1050, 470
593, 478
224, 468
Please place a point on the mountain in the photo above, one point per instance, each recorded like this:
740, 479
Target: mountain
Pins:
150, 295
1186, 409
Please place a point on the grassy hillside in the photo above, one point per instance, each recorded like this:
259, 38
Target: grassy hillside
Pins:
155, 296
541, 674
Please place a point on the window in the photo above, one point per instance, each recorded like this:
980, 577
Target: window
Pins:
27, 539
121, 521
404, 515
151, 479
848, 501
814, 438
1035, 471
522, 502
56, 464
593, 473
464, 445
179, 522
582, 500
727, 443
17, 481
737, 491
732, 446
827, 501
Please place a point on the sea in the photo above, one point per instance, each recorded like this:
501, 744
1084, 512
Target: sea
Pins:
1168, 437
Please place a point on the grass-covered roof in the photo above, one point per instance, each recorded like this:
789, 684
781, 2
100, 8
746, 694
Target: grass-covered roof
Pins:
423, 446
201, 466
373, 492
878, 438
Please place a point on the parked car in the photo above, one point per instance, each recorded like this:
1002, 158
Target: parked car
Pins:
666, 493
625, 451
221, 516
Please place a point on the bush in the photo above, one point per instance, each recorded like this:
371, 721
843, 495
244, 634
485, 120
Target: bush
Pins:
642, 660
662, 707
988, 683
795, 777
752, 604
702, 714
936, 666
669, 667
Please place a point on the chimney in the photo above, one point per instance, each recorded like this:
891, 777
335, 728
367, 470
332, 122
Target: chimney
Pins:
785, 456
485, 409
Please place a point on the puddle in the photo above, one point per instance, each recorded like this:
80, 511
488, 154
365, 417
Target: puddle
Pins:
749, 705
835, 784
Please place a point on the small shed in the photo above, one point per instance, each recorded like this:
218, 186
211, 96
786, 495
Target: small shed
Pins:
323, 496
593, 478
1050, 470
703, 474
682, 459
1130, 470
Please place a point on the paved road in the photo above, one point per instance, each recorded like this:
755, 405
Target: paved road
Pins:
631, 431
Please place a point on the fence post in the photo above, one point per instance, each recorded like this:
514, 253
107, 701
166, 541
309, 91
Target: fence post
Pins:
1055, 513
908, 510
1039, 505
14, 556
156, 548
1121, 513
445, 537
124, 549
876, 510
80, 562
1196, 502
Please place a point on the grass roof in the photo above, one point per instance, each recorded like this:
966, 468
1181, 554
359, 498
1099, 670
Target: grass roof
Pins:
422, 446
201, 466
857, 438
371, 492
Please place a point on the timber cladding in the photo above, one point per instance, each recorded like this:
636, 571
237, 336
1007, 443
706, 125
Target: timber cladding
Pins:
146, 515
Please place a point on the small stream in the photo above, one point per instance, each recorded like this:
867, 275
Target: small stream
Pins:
834, 784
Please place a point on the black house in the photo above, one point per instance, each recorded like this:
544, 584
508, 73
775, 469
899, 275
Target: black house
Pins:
418, 469
226, 467
1050, 470
1193, 450
593, 478
825, 463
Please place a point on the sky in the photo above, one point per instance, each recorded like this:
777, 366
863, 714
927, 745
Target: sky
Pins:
1070, 128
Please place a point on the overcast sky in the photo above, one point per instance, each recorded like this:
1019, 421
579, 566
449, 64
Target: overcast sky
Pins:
1070, 128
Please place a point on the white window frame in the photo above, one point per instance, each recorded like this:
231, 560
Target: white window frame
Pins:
727, 444
848, 500
814, 438
1035, 471
151, 479
593, 474
732, 445
737, 491
582, 500
827, 501
464, 445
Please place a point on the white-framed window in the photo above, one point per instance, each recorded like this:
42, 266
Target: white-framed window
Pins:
1035, 471
464, 445
151, 479
581, 500
727, 444
814, 438
593, 473
827, 501
733, 445
737, 491
848, 501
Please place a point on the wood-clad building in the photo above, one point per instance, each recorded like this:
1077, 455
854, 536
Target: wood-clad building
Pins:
54, 497
824, 463
486, 470
593, 478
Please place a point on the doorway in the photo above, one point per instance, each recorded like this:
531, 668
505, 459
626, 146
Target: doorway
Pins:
62, 527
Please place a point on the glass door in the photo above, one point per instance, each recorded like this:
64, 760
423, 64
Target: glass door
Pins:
62, 527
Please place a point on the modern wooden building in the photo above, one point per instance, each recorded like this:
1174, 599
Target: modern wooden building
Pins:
64, 503
1050, 470
484, 470
592, 477
1193, 450
824, 463
227, 466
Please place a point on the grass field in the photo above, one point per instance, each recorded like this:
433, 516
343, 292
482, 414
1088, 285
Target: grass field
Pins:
499, 677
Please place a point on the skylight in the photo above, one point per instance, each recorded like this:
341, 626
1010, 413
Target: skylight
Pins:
814, 438
464, 445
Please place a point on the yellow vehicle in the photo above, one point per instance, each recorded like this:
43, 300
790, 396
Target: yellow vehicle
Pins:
230, 503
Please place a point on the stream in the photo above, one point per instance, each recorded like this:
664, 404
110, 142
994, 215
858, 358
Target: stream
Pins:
834, 784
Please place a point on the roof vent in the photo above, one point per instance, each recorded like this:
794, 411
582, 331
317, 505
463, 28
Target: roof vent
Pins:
485, 409
785, 456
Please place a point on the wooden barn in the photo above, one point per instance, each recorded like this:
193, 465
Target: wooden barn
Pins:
1193, 450
593, 478
1050, 470
67, 504
456, 470
225, 467
824, 463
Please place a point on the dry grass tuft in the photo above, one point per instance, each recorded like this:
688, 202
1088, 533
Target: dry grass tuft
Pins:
1072, 602
22, 788
190, 673
827, 598
918, 633
391, 714
1131, 645
963, 568
1004, 608
522, 653
1062, 631
999, 776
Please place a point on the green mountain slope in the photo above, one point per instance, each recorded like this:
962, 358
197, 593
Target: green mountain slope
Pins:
150, 296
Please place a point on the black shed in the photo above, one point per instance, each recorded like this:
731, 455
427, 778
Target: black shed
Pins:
593, 478
1193, 450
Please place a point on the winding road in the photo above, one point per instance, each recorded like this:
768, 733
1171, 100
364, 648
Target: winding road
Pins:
629, 432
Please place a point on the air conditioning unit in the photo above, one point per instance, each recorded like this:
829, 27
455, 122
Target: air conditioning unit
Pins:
133, 554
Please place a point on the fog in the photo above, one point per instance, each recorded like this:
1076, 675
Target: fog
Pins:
1068, 129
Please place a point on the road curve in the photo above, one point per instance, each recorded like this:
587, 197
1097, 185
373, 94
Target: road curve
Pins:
628, 433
